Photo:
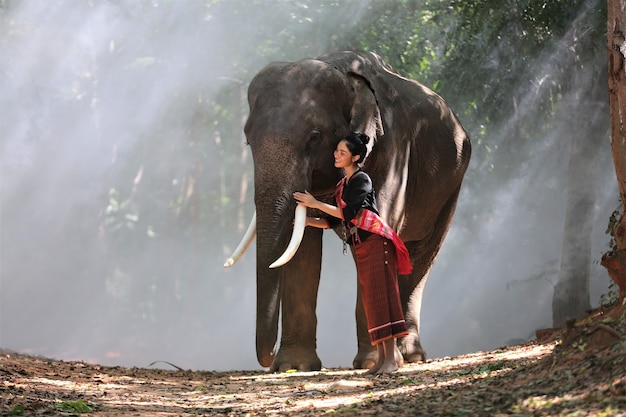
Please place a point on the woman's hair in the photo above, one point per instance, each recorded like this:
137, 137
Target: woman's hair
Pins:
356, 144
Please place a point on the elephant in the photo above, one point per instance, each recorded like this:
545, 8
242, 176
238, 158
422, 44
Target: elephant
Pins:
417, 157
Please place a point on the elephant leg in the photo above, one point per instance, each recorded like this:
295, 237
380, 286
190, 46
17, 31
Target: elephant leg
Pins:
411, 293
299, 286
423, 255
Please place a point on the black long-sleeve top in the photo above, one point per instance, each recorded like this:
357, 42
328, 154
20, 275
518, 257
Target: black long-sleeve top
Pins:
358, 193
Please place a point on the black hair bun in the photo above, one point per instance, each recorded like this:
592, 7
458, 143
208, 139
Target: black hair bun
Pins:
360, 136
357, 144
364, 138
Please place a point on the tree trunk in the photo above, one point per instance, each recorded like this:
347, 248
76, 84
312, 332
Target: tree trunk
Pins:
571, 299
615, 261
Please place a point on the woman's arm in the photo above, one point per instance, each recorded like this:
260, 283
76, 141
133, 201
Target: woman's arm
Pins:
309, 201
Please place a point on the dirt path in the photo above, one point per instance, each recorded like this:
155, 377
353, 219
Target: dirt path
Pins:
581, 372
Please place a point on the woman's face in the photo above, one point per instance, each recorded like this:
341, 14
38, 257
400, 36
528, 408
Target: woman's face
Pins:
343, 157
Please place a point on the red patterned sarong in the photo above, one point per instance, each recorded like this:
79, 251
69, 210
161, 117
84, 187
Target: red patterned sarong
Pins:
378, 259
376, 269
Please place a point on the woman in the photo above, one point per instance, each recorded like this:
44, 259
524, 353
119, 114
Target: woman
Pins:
379, 250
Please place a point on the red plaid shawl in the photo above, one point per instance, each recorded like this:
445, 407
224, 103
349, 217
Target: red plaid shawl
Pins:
371, 222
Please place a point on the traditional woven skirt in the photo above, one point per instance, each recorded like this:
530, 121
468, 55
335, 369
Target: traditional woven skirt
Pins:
377, 271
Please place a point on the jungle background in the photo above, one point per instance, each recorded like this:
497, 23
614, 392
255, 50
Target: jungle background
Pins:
126, 181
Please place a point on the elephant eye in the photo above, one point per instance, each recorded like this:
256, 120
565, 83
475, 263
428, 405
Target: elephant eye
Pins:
315, 135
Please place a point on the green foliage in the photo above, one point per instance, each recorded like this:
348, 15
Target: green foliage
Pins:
409, 35
579, 345
611, 296
485, 368
72, 408
502, 42
298, 29
119, 214
610, 228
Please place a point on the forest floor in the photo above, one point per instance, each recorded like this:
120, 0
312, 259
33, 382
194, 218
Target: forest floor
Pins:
577, 371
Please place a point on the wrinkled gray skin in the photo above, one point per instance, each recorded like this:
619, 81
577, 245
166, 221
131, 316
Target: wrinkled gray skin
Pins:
298, 113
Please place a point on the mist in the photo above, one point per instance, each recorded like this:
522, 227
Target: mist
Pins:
103, 101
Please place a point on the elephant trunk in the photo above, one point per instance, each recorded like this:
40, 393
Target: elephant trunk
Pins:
272, 233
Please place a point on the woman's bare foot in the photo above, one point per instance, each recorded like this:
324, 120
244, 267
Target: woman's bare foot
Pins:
387, 362
388, 368
379, 362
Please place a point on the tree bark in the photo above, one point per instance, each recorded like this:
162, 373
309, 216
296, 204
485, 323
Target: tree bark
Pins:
615, 260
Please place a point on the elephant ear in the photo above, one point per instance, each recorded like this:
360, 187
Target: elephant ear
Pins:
365, 115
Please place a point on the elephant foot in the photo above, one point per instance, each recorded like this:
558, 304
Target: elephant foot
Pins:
288, 361
412, 350
415, 357
365, 358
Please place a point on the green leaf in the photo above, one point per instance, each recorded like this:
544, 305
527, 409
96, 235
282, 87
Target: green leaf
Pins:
18, 410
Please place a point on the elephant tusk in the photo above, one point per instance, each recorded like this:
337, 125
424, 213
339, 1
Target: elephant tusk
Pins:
248, 237
296, 237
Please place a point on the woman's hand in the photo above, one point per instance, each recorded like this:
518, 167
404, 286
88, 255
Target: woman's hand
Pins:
305, 198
